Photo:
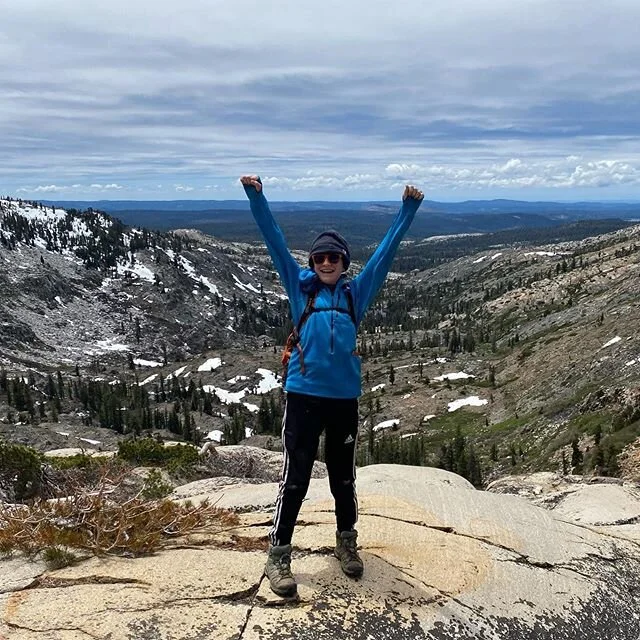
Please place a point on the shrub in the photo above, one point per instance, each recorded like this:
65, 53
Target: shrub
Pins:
155, 487
178, 460
142, 452
95, 523
58, 557
20, 471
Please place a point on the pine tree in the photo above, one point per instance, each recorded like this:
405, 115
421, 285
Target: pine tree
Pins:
597, 436
513, 454
264, 417
60, 385
611, 460
187, 428
598, 459
207, 405
577, 457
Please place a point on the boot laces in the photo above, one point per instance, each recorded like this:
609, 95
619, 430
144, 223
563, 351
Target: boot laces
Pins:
284, 565
351, 547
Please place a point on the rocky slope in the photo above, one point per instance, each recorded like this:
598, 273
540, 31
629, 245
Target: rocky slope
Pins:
77, 288
553, 364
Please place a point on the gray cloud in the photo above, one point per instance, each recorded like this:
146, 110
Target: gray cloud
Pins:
321, 99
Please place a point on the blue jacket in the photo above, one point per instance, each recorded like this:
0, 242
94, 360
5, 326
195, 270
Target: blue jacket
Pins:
328, 339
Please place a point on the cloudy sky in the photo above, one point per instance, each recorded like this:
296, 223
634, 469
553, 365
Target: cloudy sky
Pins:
334, 100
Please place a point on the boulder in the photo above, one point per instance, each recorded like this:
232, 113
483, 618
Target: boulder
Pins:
242, 461
443, 561
68, 452
607, 503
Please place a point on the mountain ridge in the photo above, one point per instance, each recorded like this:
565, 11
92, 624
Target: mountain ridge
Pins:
507, 325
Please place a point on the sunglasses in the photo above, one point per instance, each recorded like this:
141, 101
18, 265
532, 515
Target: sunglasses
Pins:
319, 258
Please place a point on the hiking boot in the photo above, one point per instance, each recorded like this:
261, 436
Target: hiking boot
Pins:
346, 552
278, 570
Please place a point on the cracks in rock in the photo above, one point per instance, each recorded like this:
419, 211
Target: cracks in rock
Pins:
243, 596
249, 525
243, 628
553, 500
318, 551
526, 560
520, 558
445, 594
419, 523
451, 530
250, 607
566, 566
600, 532
233, 543
240, 596
253, 508
13, 625
615, 523
426, 601
51, 582
464, 605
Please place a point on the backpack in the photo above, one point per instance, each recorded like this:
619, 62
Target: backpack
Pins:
293, 340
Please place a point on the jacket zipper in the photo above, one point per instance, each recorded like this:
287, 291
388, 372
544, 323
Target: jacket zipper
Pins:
332, 317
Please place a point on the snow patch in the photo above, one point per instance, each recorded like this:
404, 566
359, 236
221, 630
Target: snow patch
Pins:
210, 364
387, 424
473, 401
176, 373
146, 363
459, 375
269, 381
237, 379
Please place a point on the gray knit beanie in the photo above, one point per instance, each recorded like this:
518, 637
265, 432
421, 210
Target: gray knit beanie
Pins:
330, 242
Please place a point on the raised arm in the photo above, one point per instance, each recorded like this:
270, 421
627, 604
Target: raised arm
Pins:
283, 261
368, 282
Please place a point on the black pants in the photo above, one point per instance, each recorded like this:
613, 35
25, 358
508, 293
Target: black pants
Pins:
305, 418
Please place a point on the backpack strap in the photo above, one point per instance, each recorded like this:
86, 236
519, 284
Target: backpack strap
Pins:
308, 310
293, 340
352, 309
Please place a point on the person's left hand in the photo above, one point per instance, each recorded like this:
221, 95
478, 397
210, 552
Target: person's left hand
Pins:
412, 192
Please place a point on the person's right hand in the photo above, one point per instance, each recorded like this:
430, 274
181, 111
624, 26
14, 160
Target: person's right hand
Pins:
252, 181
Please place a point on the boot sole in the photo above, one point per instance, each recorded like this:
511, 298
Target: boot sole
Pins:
350, 574
289, 593
283, 593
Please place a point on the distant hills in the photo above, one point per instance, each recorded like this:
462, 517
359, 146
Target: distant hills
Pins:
591, 208
363, 223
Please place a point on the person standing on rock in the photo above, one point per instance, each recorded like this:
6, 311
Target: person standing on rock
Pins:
323, 380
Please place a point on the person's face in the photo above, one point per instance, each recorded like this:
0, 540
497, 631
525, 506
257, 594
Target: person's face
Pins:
329, 267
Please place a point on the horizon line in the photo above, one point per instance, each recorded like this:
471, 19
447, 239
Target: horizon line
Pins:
239, 200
